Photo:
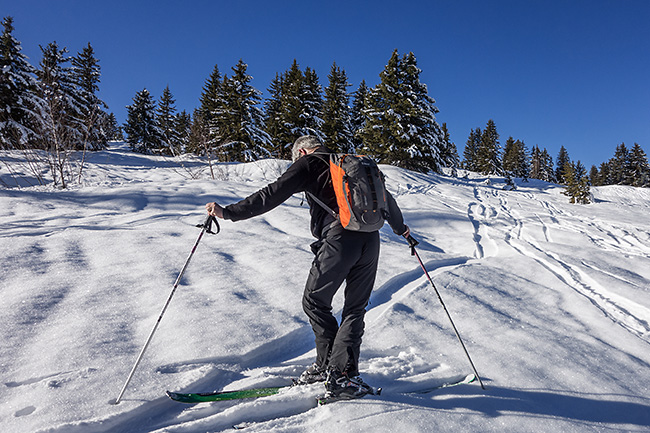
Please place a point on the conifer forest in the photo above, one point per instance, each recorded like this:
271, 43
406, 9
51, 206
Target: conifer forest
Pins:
53, 114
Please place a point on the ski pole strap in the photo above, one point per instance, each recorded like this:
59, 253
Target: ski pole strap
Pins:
412, 243
207, 225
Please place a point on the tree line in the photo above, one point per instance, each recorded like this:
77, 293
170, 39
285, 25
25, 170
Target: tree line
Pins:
54, 109
484, 154
394, 122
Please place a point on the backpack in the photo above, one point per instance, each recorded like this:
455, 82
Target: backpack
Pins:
360, 192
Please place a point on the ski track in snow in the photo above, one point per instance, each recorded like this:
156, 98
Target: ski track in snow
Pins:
623, 311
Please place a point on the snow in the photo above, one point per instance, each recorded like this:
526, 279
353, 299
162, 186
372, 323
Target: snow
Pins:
551, 299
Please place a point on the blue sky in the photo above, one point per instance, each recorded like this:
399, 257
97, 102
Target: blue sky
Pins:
571, 73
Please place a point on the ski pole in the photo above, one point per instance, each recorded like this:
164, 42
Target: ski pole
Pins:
205, 227
412, 243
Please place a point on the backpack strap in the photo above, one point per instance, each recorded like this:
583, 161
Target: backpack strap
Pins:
325, 157
323, 205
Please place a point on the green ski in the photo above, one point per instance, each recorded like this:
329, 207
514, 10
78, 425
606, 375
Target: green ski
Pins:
193, 398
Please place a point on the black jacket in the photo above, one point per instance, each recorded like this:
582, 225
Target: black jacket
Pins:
309, 173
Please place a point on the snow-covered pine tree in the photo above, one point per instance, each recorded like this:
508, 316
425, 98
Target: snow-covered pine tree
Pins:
166, 119
294, 108
510, 157
620, 166
62, 129
143, 133
639, 168
541, 166
535, 163
210, 95
113, 130
448, 152
594, 176
86, 74
336, 126
548, 173
562, 159
425, 132
489, 151
273, 120
199, 139
239, 120
20, 105
358, 119
312, 105
203, 119
515, 159
470, 154
523, 165
183, 127
400, 127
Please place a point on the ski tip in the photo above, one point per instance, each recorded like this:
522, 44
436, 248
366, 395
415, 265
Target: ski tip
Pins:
470, 378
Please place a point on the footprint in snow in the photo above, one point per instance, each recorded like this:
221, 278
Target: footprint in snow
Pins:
25, 411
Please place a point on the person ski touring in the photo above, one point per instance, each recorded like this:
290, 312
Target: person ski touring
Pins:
339, 255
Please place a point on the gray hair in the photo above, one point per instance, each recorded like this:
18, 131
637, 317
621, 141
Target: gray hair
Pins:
304, 142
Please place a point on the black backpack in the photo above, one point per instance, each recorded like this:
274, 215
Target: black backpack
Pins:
360, 192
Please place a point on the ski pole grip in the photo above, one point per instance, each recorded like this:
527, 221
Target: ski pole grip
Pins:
412, 243
207, 225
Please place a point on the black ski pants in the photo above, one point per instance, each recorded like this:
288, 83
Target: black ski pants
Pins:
341, 255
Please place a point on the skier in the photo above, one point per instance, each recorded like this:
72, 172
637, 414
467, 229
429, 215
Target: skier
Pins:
340, 255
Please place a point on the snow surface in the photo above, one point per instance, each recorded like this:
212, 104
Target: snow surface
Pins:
551, 299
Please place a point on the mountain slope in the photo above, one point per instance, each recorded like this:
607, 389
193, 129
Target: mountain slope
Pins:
552, 300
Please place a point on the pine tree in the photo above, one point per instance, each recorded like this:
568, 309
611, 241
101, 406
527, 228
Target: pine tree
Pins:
199, 141
113, 130
548, 173
515, 159
211, 99
273, 120
510, 157
426, 134
523, 165
211, 95
20, 106
400, 127
619, 166
62, 129
239, 120
639, 168
577, 183
594, 176
312, 105
86, 74
562, 159
293, 113
182, 128
605, 174
470, 154
449, 154
541, 166
535, 163
143, 133
336, 113
166, 119
358, 117
489, 151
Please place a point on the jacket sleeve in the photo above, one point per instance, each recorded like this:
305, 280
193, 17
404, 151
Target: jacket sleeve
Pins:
395, 218
290, 182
